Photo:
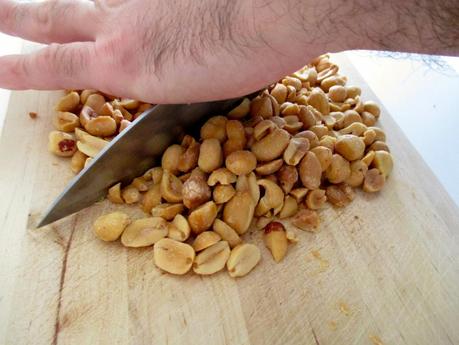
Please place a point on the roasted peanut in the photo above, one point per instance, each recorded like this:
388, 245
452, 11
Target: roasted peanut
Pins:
171, 187
334, 80
238, 212
204, 240
243, 259
77, 162
195, 190
350, 147
289, 208
291, 124
227, 233
173, 256
340, 195
179, 229
288, 108
154, 174
215, 128
339, 169
212, 259
202, 217
151, 198
171, 158
66, 121
89, 144
299, 194
61, 144
306, 116
264, 105
241, 110
263, 128
372, 108
272, 199
109, 227
223, 193
189, 158
124, 124
319, 130
95, 101
222, 176
374, 181
353, 91
107, 110
380, 135
271, 146
379, 146
210, 155
276, 240
279, 92
295, 82
337, 93
130, 194
248, 183
241, 162
85, 94
270, 168
141, 184
311, 136
117, 106
167, 211
358, 171
144, 232
316, 199
114, 194
307, 220
355, 128
319, 101
310, 171
328, 141
69, 102
350, 117
324, 155
287, 177
368, 118
296, 150
383, 162
369, 137
129, 104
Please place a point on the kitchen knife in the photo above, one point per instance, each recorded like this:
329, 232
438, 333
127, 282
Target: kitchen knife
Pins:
131, 153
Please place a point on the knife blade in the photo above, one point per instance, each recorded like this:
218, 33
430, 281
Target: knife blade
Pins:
131, 153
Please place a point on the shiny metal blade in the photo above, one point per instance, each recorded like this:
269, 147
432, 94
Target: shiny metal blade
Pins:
131, 153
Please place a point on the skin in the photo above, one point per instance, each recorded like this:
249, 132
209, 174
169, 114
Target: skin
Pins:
165, 51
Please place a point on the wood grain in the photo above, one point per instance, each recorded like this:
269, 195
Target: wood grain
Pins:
386, 267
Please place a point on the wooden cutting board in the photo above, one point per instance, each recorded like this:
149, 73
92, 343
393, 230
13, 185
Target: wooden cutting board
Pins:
384, 270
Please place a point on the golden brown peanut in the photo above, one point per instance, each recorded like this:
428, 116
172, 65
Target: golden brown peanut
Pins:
306, 116
353, 91
307, 220
195, 190
328, 141
355, 128
107, 110
339, 169
368, 118
227, 233
202, 217
319, 101
89, 144
179, 229
350, 147
316, 199
118, 117
144, 232
222, 176
61, 144
173, 256
171, 187
372, 108
272, 199
151, 198
276, 240
241, 110
144, 107
210, 155
296, 150
167, 211
101, 126
204, 240
114, 194
368, 159
374, 181
358, 107
248, 183
223, 193
340, 195
289, 108
85, 94
129, 104
117, 106
109, 227
380, 135
287, 177
292, 81
310, 171
324, 155
369, 137
241, 162
263, 128
261, 222
272, 178
291, 124
269, 168
337, 93
319, 130
171, 158
311, 136
329, 121
350, 116
383, 162
289, 208
77, 162
331, 81
292, 235
279, 92
236, 137
130, 194
154, 174
190, 156
69, 102
141, 184
214, 128
379, 146
358, 171
243, 259
66, 121
326, 72
124, 124
299, 194
212, 259
271, 146
95, 102
238, 212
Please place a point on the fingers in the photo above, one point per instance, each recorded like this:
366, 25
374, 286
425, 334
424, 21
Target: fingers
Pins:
54, 67
58, 21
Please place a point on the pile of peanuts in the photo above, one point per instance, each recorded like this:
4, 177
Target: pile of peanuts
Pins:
271, 163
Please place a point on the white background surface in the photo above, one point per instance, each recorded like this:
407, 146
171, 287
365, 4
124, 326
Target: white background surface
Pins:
422, 98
